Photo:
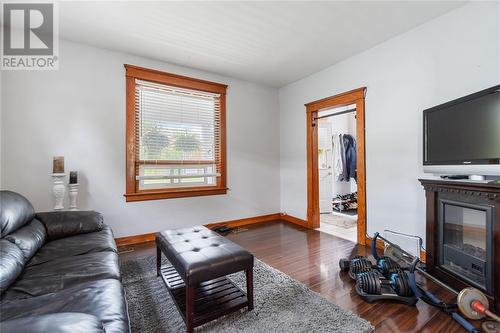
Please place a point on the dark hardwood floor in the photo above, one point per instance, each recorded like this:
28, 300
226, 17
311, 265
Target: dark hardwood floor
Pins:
312, 257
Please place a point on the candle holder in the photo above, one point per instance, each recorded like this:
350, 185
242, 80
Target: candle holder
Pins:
73, 193
58, 190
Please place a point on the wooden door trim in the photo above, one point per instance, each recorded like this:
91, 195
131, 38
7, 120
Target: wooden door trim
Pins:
356, 96
343, 99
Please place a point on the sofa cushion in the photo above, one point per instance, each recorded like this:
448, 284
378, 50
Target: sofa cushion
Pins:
29, 238
11, 265
76, 245
15, 211
70, 223
104, 299
64, 322
62, 273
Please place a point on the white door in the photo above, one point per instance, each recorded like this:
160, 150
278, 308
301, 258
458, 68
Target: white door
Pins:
325, 156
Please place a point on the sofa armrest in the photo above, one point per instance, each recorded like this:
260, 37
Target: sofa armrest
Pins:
61, 224
65, 322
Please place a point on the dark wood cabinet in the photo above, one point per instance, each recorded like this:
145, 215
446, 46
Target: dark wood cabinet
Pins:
483, 200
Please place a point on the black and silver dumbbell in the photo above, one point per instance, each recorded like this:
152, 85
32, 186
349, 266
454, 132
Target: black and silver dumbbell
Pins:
358, 264
374, 284
387, 265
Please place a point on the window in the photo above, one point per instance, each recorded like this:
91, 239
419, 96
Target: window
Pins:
175, 136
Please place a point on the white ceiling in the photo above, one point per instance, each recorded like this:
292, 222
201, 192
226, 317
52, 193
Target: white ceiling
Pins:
274, 43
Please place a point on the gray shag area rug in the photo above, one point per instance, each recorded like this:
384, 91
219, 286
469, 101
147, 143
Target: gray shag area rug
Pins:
282, 304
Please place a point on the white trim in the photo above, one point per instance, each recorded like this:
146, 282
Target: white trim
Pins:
201, 175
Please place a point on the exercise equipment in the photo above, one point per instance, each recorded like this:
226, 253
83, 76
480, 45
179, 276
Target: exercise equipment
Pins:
474, 304
359, 265
373, 283
431, 299
344, 264
491, 327
471, 302
387, 265
385, 280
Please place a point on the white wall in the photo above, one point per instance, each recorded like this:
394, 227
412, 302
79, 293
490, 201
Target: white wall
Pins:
446, 58
79, 112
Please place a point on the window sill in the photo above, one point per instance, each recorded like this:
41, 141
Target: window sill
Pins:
172, 194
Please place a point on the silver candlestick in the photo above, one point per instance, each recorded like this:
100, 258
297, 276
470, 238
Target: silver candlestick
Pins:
58, 190
73, 193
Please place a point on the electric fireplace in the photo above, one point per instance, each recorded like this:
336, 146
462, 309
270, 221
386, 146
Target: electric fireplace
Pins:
463, 235
464, 240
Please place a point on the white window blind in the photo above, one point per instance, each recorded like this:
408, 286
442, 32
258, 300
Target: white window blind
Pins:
178, 134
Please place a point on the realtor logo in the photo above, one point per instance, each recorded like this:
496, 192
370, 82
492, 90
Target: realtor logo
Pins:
29, 36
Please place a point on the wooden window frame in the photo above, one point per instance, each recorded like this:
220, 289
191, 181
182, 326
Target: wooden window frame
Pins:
132, 190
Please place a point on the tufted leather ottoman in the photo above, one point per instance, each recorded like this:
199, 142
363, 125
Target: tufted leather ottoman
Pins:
200, 259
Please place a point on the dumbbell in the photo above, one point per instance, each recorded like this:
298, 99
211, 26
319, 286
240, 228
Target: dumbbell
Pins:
372, 283
471, 302
357, 265
474, 304
344, 264
387, 265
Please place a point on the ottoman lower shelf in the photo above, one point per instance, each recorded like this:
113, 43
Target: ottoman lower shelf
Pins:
212, 300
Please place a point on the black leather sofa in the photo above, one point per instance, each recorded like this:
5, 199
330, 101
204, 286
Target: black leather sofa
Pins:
59, 271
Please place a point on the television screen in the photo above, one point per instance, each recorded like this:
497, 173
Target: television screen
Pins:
465, 131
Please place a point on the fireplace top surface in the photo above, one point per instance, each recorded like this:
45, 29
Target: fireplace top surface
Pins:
477, 186
485, 183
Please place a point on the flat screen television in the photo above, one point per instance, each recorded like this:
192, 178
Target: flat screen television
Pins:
463, 136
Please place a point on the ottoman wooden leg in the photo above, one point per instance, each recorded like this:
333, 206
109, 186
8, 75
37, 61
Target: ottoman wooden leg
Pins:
189, 309
249, 274
158, 260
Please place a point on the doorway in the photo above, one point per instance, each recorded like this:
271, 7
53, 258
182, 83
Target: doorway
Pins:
336, 180
338, 202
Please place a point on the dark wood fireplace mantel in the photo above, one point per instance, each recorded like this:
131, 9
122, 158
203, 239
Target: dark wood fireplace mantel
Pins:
491, 191
488, 195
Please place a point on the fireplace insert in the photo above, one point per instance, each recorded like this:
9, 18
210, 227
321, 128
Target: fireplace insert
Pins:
464, 240
463, 234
